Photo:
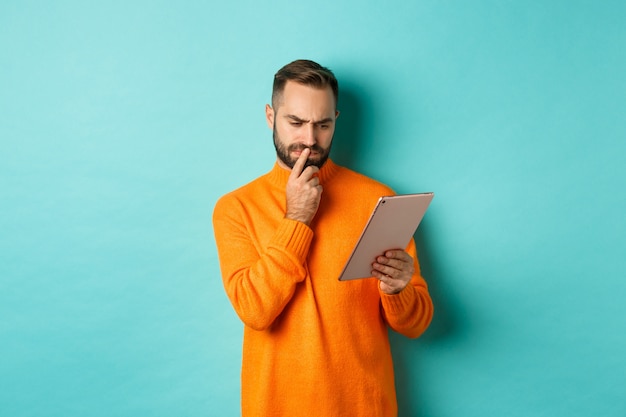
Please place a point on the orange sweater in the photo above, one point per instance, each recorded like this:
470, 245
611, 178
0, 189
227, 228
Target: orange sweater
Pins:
312, 345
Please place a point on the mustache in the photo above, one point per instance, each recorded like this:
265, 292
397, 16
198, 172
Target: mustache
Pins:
300, 147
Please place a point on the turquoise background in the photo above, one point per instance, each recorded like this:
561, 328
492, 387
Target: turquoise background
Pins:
121, 123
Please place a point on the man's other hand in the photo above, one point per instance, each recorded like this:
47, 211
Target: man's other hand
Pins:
394, 270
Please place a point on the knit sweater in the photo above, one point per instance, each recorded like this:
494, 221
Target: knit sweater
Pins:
312, 345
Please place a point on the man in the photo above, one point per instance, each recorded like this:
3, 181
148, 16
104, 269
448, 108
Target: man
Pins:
312, 344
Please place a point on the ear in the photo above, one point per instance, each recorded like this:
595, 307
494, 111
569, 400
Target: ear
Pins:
336, 114
269, 116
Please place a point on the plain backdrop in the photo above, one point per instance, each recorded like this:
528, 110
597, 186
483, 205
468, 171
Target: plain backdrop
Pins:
122, 122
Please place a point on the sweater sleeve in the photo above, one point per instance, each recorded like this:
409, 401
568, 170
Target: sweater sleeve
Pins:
411, 310
259, 281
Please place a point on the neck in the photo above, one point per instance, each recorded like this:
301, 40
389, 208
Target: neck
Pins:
280, 173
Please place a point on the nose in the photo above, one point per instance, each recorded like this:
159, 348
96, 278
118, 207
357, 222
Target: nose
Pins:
309, 136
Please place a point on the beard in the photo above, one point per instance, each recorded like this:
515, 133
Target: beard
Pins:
283, 152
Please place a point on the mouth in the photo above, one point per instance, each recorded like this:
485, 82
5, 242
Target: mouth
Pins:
297, 150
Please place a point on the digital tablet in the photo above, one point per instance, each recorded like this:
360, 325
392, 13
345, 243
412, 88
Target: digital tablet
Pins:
390, 226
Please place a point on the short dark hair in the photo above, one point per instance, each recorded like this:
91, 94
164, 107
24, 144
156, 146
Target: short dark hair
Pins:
306, 72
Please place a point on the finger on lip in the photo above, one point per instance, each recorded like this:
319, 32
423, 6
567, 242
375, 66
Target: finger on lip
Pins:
302, 153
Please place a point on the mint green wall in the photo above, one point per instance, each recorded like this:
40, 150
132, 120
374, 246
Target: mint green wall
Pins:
121, 123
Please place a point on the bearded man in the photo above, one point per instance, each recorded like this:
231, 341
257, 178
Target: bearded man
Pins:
313, 344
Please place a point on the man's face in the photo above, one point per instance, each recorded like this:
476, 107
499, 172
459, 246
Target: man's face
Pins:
304, 118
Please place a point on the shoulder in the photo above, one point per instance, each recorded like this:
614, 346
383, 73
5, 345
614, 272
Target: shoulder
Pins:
238, 197
360, 182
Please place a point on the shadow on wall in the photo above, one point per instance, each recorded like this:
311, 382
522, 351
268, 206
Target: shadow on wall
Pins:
348, 132
446, 327
350, 135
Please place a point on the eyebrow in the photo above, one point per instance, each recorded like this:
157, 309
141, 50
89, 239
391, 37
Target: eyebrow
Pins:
317, 122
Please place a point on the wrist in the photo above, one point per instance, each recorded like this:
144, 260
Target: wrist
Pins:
298, 218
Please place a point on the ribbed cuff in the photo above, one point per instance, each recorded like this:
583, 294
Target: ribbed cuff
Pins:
295, 237
397, 304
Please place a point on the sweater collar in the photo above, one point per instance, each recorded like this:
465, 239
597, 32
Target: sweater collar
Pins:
279, 175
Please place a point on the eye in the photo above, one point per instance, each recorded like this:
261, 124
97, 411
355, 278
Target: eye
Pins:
296, 124
324, 127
